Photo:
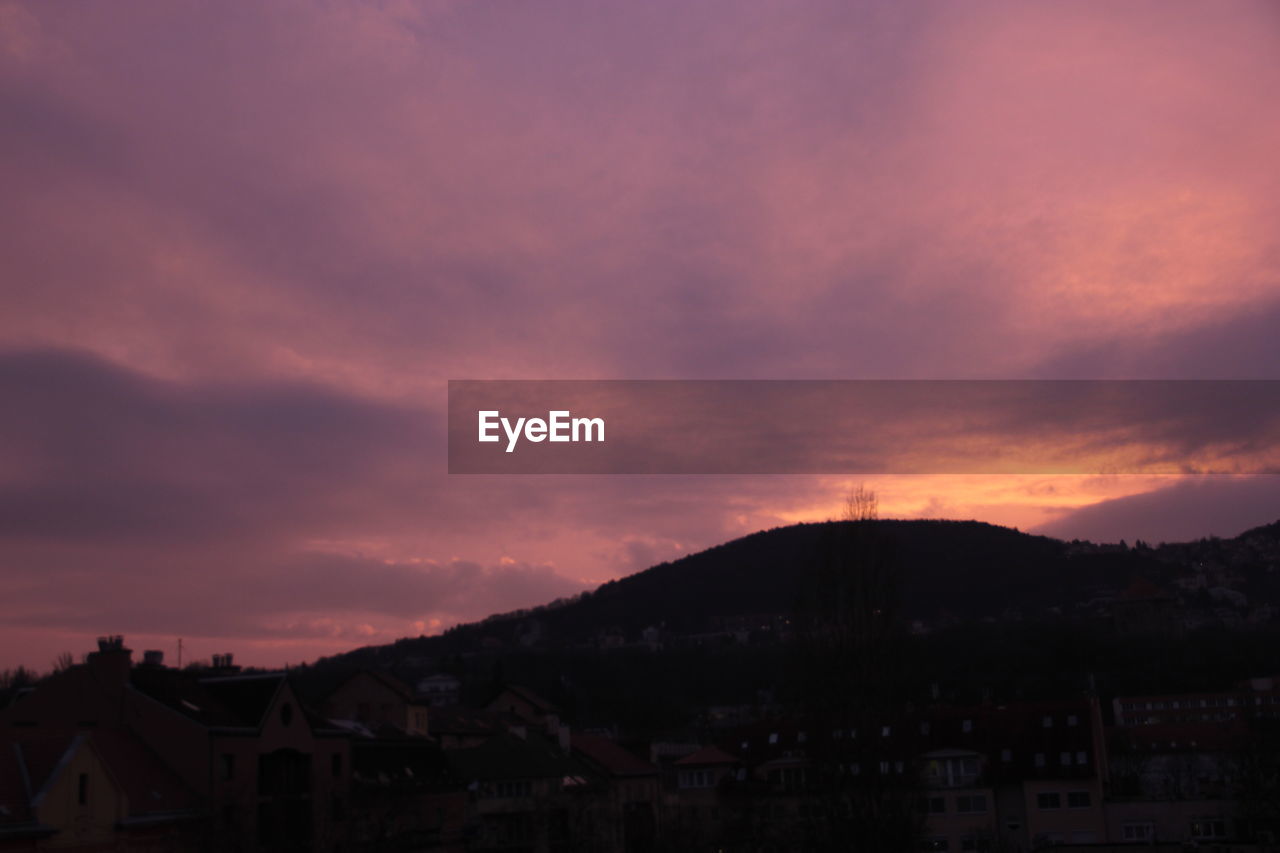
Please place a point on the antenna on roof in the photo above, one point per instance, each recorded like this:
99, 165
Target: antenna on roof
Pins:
179, 653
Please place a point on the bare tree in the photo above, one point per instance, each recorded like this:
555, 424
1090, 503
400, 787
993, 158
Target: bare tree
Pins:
861, 504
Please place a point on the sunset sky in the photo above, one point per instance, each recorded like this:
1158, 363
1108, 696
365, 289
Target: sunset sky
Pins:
244, 246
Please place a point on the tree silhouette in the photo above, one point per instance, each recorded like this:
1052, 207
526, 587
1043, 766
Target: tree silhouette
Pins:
852, 658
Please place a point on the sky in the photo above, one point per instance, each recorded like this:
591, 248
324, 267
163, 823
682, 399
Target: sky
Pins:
244, 247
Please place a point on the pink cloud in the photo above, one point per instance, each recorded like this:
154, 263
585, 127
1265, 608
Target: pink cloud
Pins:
276, 230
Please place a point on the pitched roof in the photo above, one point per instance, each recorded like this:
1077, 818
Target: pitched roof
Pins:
390, 681
457, 719
508, 756
239, 701
30, 765
152, 787
610, 757
529, 696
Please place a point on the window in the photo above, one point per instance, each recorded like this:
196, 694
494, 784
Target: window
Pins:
966, 726
885, 731
83, 793
1073, 720
1065, 758
773, 737
802, 737
972, 804
898, 767
1213, 827
1078, 800
335, 765
1082, 757
924, 728
788, 777
228, 767
1138, 831
1052, 800
696, 779
1048, 722
1006, 755
1039, 759
513, 788
952, 772
935, 805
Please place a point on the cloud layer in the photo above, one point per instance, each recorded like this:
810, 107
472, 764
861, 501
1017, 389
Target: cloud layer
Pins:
245, 246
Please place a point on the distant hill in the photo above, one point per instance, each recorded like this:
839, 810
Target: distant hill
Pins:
950, 572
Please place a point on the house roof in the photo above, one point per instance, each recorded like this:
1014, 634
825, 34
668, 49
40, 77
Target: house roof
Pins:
508, 756
389, 681
457, 719
29, 766
610, 757
233, 702
151, 786
529, 696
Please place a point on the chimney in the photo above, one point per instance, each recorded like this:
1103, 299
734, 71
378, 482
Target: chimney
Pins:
112, 661
153, 658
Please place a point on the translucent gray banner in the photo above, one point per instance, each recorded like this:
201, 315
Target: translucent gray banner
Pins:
864, 427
